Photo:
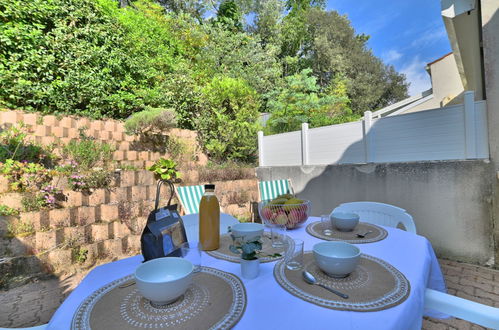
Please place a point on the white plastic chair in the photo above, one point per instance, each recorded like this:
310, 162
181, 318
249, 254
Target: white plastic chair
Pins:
379, 214
468, 310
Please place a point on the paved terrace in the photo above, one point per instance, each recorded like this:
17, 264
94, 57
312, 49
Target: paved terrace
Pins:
34, 303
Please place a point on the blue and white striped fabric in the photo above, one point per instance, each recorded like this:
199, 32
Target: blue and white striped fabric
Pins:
274, 188
190, 197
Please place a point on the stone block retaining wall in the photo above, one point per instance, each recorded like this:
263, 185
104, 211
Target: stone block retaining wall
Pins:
107, 222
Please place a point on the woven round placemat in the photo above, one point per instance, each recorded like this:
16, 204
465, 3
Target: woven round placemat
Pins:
375, 285
378, 233
216, 300
224, 253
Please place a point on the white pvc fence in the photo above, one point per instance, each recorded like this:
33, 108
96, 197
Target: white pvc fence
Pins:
455, 132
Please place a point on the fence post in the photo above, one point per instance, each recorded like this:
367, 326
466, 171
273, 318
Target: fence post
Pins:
304, 144
368, 144
469, 125
260, 149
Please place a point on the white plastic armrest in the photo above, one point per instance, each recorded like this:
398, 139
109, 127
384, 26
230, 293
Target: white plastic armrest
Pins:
481, 314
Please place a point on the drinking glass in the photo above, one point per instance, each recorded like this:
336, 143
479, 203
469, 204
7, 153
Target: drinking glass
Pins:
293, 258
278, 235
326, 225
192, 252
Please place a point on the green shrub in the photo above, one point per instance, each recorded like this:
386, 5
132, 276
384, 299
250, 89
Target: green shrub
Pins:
150, 121
24, 176
90, 180
20, 228
84, 57
15, 145
8, 211
228, 124
165, 169
88, 153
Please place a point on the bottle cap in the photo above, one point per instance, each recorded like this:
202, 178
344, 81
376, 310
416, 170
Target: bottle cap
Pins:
209, 186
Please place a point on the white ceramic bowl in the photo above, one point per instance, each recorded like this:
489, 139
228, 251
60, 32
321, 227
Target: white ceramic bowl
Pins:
337, 259
344, 221
247, 230
164, 280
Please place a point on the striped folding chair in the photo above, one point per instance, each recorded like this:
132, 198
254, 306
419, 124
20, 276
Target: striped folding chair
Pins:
190, 197
274, 188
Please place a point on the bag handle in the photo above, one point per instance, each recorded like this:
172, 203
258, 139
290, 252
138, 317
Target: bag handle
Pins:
158, 190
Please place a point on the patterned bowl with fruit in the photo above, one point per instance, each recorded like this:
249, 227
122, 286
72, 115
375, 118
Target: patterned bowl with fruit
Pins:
284, 210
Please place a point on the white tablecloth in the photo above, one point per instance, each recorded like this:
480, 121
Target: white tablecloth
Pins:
271, 307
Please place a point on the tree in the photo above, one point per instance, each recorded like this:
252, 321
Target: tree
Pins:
230, 16
228, 124
268, 20
195, 8
300, 101
239, 55
332, 48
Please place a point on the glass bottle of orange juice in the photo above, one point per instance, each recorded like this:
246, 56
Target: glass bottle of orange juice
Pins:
209, 219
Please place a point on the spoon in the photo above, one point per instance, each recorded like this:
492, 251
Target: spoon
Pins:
310, 279
365, 234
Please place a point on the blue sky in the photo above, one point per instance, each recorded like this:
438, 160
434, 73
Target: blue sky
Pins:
405, 33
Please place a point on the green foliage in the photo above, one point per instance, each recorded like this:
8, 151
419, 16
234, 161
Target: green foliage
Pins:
83, 56
150, 121
93, 58
247, 250
8, 211
20, 229
228, 125
165, 169
90, 180
24, 176
229, 16
332, 49
79, 254
177, 148
299, 101
87, 153
15, 145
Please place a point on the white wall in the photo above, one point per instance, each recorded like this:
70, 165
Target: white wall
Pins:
455, 132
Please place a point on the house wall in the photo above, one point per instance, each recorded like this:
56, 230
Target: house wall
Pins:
450, 201
490, 37
446, 85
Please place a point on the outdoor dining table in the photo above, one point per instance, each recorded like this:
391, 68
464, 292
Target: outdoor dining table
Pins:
271, 307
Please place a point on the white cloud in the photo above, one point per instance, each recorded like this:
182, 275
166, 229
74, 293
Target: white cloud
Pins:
429, 37
416, 75
391, 56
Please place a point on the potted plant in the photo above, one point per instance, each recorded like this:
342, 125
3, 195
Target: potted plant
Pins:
249, 251
166, 170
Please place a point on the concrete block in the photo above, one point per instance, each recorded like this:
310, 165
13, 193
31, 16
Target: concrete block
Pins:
4, 184
97, 197
139, 193
12, 200
117, 136
119, 194
31, 119
127, 178
108, 212
50, 120
48, 239
11, 117
131, 155
144, 155
86, 215
60, 217
100, 232
59, 258
109, 125
75, 235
